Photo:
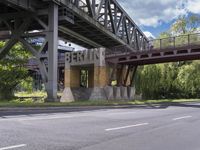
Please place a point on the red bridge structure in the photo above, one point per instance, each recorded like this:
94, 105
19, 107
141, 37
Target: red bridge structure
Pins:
172, 49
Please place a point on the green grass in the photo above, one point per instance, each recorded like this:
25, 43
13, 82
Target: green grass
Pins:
36, 94
28, 102
36, 99
32, 94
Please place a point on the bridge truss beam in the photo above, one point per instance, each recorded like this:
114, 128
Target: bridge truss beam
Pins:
111, 17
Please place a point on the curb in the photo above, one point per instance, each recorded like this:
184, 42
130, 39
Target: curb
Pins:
88, 108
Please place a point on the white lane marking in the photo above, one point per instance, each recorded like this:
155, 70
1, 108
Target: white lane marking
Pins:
121, 113
125, 127
179, 118
12, 147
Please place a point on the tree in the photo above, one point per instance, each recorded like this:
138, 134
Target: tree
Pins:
169, 73
182, 26
185, 25
188, 79
149, 81
172, 80
12, 70
179, 26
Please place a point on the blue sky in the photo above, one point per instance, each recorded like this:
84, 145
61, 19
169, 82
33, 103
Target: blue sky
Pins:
156, 16
155, 31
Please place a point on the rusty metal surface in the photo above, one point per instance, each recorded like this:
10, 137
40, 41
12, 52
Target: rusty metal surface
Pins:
179, 48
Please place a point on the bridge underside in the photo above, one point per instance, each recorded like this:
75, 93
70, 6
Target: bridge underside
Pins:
80, 32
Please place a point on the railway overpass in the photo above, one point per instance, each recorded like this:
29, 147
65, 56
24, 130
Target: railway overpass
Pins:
89, 23
172, 49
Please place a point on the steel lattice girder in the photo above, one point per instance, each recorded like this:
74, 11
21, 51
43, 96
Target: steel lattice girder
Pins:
105, 23
113, 18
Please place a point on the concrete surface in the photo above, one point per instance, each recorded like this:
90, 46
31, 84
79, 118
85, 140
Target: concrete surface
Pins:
165, 127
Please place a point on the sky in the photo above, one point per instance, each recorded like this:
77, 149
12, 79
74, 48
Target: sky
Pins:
156, 16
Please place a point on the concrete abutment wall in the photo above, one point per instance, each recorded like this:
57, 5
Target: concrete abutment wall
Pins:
99, 72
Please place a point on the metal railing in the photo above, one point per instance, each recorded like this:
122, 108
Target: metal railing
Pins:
170, 43
175, 42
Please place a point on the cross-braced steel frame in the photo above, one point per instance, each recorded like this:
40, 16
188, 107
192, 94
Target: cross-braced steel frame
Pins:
19, 27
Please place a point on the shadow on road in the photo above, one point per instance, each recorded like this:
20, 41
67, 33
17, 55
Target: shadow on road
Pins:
166, 105
47, 110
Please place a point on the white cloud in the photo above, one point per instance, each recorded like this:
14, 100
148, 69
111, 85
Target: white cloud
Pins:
153, 21
149, 34
154, 12
193, 6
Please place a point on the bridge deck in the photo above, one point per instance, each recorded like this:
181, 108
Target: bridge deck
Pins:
180, 48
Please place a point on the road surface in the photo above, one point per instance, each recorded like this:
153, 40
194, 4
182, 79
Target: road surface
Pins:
147, 128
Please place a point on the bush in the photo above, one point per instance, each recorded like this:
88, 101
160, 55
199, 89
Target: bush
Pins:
12, 70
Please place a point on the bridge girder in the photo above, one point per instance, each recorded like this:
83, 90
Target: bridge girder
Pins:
111, 17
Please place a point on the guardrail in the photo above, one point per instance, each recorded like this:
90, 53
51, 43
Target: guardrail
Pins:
175, 42
172, 43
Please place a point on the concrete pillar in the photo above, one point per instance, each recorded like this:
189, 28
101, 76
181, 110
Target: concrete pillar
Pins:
109, 92
70, 74
100, 76
52, 37
67, 81
117, 92
124, 93
67, 95
131, 93
74, 77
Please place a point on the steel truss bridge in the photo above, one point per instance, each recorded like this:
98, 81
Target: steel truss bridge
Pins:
89, 23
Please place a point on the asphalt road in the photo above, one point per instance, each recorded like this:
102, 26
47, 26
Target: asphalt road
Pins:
146, 128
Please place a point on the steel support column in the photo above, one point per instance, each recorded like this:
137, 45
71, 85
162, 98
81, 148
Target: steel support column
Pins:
52, 37
7, 47
127, 74
120, 75
133, 75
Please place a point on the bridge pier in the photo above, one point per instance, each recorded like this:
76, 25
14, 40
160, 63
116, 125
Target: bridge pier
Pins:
89, 77
52, 37
19, 32
48, 51
85, 75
